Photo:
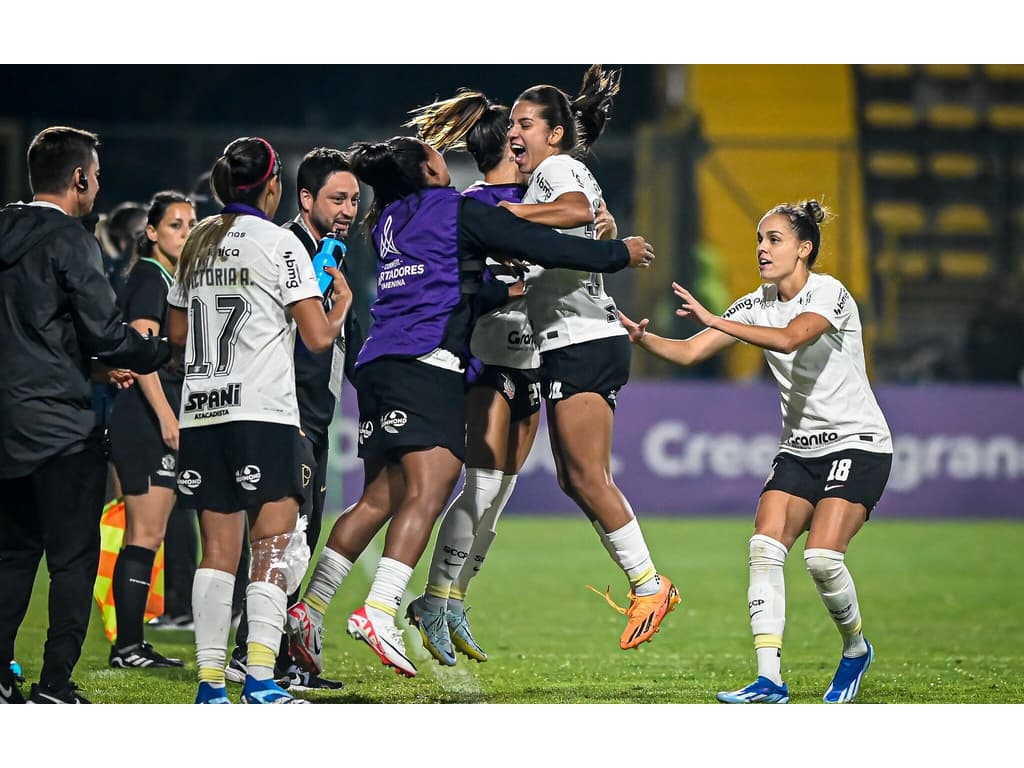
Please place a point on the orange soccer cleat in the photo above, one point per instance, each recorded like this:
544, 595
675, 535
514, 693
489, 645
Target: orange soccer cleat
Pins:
645, 612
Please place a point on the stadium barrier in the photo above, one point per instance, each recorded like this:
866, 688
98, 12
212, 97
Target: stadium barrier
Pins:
705, 448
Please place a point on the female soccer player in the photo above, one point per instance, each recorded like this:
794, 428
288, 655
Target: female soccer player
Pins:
144, 428
430, 242
241, 283
502, 388
584, 349
836, 451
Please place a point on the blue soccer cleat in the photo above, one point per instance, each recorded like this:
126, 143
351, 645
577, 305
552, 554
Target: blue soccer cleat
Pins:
433, 629
212, 694
462, 637
266, 692
761, 691
846, 682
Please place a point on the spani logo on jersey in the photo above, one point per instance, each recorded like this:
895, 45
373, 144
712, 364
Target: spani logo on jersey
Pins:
248, 477
188, 481
393, 421
220, 400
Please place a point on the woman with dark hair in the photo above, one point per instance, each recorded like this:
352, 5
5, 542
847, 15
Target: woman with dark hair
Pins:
502, 388
144, 428
584, 349
836, 450
243, 285
431, 242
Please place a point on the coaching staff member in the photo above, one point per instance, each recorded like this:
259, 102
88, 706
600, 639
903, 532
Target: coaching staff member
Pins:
57, 312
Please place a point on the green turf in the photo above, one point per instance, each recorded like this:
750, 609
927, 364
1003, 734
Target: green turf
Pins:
939, 599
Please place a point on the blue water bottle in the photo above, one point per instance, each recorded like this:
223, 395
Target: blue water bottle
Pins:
330, 254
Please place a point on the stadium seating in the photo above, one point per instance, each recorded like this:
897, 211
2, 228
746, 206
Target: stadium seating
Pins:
942, 153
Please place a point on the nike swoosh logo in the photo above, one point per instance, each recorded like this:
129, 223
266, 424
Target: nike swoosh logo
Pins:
453, 565
324, 489
830, 487
6, 692
759, 610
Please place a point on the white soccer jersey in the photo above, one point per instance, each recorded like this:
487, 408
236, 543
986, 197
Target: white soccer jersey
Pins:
827, 402
504, 336
239, 358
567, 306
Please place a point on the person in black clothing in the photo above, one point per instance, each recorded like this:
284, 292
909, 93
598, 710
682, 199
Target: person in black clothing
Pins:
59, 314
144, 430
328, 197
431, 243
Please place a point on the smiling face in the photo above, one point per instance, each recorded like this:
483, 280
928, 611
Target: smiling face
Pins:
780, 253
169, 235
530, 137
334, 207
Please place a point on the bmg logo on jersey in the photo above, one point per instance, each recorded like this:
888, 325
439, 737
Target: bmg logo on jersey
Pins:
220, 399
248, 477
393, 421
188, 481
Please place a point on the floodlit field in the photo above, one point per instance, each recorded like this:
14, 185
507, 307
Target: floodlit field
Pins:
940, 602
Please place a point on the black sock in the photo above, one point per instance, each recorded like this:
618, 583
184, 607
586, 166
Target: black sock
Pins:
131, 591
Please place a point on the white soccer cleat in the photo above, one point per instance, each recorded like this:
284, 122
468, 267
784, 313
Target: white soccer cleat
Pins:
384, 638
306, 636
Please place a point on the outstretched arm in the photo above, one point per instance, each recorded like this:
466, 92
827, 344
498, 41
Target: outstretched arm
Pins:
695, 349
801, 330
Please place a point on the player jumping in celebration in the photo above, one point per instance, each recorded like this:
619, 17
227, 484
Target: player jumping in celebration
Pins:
502, 389
584, 349
430, 242
836, 451
241, 283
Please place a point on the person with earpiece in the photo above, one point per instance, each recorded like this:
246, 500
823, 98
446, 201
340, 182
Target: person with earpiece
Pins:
59, 315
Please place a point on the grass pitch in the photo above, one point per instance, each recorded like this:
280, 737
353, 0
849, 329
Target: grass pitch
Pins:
940, 602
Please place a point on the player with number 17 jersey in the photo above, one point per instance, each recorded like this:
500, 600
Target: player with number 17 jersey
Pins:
239, 360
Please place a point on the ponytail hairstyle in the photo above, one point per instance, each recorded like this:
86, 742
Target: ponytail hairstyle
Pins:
592, 108
582, 118
806, 218
154, 215
392, 168
468, 120
239, 175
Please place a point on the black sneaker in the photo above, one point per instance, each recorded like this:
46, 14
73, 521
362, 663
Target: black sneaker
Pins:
67, 695
237, 669
141, 655
10, 693
300, 680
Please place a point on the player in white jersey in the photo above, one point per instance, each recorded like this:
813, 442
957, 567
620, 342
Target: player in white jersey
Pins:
835, 452
502, 388
242, 285
585, 350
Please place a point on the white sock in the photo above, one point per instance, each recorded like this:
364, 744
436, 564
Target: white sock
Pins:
389, 585
266, 606
630, 552
331, 570
766, 600
835, 585
602, 534
480, 490
486, 532
211, 607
